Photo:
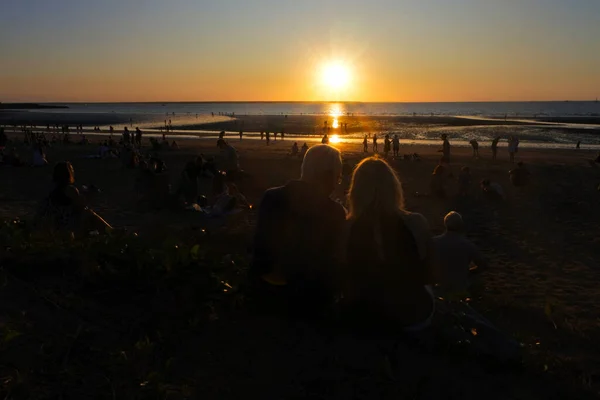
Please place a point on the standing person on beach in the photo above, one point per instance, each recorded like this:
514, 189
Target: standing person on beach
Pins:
475, 145
513, 148
298, 235
386, 146
578, 145
445, 150
325, 139
282, 135
396, 146
138, 137
262, 135
365, 145
374, 143
275, 136
241, 135
126, 136
495, 147
111, 130
268, 137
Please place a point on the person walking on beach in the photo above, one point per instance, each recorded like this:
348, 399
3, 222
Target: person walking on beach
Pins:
578, 145
138, 137
126, 136
386, 146
241, 135
495, 147
262, 135
374, 143
445, 150
268, 137
365, 145
475, 145
513, 148
396, 146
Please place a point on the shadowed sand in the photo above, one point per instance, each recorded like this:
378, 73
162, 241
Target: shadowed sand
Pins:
543, 243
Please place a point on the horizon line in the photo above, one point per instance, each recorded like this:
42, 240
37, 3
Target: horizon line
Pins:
295, 101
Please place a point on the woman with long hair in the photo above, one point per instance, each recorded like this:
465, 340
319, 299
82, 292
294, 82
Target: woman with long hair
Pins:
389, 253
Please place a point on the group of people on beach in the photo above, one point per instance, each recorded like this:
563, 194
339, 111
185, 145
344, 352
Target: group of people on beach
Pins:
378, 258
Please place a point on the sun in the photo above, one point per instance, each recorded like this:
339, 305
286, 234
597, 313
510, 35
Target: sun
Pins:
334, 139
335, 75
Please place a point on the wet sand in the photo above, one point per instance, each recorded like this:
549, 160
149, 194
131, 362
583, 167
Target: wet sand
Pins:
543, 243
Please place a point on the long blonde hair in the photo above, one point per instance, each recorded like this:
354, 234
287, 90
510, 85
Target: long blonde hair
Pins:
376, 189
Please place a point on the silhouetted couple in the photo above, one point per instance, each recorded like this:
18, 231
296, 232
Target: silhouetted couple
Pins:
379, 257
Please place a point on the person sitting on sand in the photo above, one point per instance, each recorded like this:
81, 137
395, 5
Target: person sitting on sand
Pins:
229, 160
519, 176
188, 184
437, 185
464, 181
65, 209
294, 152
456, 256
303, 150
227, 198
492, 190
389, 255
129, 158
298, 234
39, 157
325, 139
174, 145
475, 145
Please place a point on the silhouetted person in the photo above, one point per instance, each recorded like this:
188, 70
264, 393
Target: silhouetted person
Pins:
578, 145
396, 146
386, 146
298, 234
126, 136
513, 148
325, 139
375, 143
475, 145
389, 252
438, 182
282, 135
221, 134
274, 136
492, 190
230, 161
495, 147
241, 135
445, 149
294, 149
262, 135
303, 150
138, 137
268, 137
456, 256
365, 145
519, 176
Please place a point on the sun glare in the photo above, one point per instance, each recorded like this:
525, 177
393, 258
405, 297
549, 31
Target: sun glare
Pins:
334, 139
335, 75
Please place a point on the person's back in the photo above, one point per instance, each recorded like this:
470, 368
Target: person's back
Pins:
387, 274
454, 256
519, 176
298, 232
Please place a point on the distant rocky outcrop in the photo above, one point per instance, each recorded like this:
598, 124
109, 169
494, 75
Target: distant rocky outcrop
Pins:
27, 106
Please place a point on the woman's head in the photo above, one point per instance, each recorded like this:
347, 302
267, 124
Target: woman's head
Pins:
375, 187
64, 174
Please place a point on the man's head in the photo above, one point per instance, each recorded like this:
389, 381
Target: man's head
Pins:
322, 166
453, 222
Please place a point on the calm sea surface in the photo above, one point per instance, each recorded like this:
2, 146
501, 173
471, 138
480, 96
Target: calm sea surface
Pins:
500, 109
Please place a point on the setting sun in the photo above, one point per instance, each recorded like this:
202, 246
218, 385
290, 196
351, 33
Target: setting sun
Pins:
334, 139
335, 75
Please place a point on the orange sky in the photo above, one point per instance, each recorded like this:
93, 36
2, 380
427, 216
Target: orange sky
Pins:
272, 51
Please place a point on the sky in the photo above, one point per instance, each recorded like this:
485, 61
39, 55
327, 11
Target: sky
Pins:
275, 50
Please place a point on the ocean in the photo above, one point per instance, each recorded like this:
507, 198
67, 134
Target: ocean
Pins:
483, 109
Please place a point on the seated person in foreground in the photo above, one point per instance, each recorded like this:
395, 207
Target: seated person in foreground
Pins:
456, 257
389, 253
298, 237
519, 176
65, 209
437, 185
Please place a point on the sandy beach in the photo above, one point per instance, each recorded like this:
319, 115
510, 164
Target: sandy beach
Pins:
543, 243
